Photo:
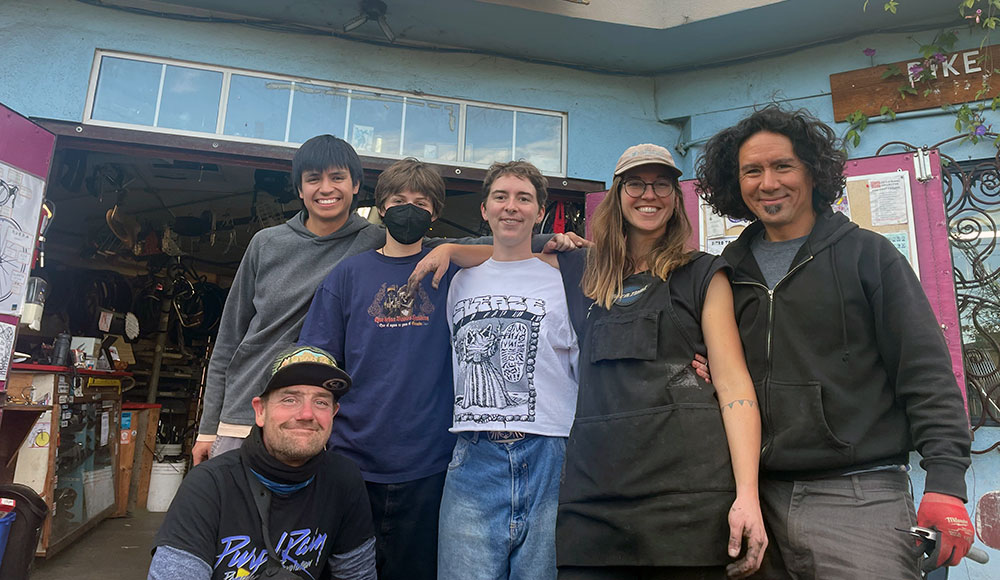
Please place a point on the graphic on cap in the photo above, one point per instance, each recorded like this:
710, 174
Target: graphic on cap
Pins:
308, 365
303, 354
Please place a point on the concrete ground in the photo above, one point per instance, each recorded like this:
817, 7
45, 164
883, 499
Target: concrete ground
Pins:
116, 549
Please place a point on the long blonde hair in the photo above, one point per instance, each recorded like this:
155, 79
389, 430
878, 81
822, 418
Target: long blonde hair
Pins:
608, 262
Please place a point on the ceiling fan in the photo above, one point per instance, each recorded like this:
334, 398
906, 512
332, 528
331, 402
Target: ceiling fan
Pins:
372, 10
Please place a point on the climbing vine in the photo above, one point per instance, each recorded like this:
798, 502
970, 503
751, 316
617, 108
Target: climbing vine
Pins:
920, 78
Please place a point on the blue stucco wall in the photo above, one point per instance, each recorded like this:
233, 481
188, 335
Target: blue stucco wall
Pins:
701, 102
48, 51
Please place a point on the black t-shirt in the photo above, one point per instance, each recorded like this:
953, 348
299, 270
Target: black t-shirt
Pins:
213, 517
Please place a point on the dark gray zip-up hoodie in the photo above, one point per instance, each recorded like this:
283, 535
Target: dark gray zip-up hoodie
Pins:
267, 304
848, 361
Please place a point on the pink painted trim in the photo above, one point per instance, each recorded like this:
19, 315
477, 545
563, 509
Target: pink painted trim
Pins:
592, 200
25, 145
691, 203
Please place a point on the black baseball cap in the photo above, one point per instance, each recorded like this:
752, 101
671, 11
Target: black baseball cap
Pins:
308, 365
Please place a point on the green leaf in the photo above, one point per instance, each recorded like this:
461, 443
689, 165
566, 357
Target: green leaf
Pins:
958, 125
890, 6
947, 40
891, 71
886, 111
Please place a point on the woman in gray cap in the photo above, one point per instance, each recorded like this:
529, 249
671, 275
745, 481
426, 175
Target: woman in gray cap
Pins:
661, 466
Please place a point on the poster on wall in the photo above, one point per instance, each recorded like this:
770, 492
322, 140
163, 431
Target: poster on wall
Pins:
21, 196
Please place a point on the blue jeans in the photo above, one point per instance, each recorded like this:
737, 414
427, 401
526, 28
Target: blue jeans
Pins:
498, 511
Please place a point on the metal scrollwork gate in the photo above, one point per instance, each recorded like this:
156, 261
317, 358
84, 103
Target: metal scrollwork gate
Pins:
972, 205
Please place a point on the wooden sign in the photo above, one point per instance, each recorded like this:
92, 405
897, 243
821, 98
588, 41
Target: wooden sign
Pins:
957, 79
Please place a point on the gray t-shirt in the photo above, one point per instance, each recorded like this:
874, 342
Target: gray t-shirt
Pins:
775, 258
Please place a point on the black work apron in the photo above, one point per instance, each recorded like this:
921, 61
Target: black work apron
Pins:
648, 479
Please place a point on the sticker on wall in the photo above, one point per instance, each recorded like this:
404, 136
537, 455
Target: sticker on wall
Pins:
105, 424
842, 205
39, 438
6, 344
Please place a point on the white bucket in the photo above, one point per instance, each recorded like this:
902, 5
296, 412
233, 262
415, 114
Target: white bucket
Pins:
164, 479
168, 449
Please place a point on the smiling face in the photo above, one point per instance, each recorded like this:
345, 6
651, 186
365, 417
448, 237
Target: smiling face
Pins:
511, 207
327, 196
296, 421
777, 186
646, 216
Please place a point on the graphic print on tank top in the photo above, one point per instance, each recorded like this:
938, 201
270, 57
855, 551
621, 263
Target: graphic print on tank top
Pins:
496, 340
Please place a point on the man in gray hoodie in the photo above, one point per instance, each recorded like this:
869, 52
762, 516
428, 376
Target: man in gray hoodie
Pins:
275, 283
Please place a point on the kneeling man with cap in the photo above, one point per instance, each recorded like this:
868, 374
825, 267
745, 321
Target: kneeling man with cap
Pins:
280, 506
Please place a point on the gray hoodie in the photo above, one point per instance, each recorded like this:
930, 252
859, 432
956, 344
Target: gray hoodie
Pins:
267, 304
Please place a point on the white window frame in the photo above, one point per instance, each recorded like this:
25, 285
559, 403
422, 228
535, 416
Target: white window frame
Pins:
227, 73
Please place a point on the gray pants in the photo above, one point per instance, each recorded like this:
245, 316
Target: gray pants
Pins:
839, 528
223, 444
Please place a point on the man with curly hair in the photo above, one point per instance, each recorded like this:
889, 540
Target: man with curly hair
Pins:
851, 369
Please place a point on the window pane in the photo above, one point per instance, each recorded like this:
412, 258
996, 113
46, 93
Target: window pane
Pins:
488, 135
126, 91
190, 100
431, 130
317, 110
375, 123
539, 140
257, 107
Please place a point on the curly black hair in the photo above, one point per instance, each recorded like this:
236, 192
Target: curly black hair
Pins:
814, 142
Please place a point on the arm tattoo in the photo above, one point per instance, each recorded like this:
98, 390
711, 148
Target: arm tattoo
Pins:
740, 402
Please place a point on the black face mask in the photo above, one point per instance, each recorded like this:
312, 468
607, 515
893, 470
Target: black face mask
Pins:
407, 223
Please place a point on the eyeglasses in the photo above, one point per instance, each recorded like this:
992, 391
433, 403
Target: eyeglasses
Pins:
635, 187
